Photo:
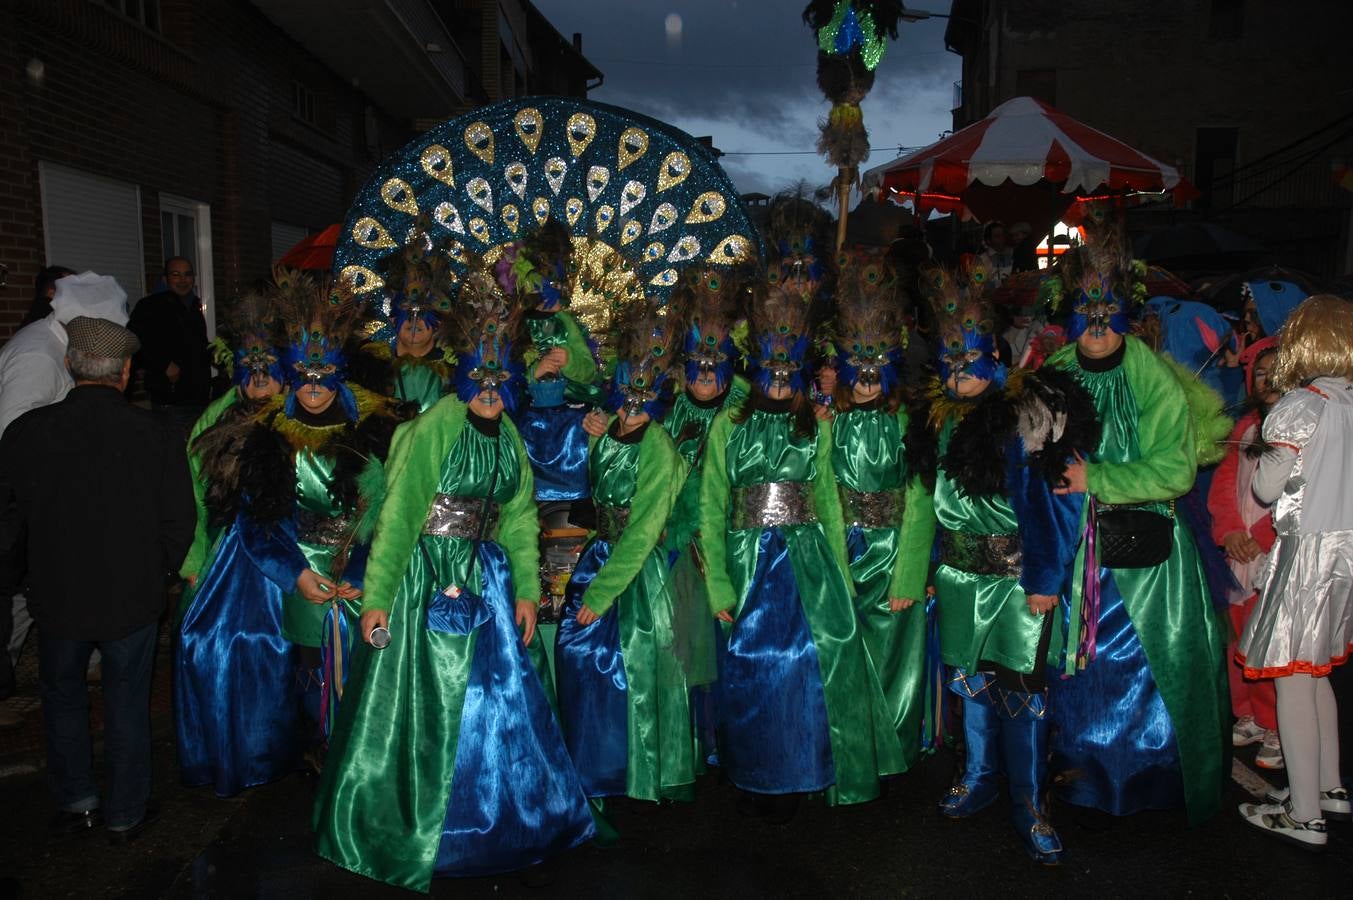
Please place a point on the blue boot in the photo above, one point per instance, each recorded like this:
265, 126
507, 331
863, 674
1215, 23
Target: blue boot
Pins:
1024, 747
977, 787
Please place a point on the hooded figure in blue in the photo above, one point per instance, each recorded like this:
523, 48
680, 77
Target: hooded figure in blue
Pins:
1197, 337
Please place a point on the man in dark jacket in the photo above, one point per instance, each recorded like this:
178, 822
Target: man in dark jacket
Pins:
103, 488
174, 353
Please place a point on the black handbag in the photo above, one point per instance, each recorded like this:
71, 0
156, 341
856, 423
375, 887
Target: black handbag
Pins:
1129, 537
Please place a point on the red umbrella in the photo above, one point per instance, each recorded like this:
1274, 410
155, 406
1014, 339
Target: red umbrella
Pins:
1024, 162
316, 251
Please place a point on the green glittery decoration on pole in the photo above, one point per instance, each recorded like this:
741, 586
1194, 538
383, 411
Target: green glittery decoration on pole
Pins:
871, 43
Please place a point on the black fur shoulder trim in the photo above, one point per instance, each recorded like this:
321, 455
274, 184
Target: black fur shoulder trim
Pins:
975, 457
1060, 395
267, 474
920, 449
352, 451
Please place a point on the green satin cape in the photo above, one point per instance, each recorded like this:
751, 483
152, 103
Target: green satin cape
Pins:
867, 456
765, 449
646, 477
1149, 453
387, 780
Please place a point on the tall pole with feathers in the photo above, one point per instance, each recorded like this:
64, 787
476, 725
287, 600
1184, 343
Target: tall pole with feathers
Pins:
851, 37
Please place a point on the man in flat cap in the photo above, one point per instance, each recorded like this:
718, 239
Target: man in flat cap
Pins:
104, 491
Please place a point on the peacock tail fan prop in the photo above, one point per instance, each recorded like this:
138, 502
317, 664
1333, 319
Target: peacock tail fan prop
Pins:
644, 337
420, 278
585, 202
708, 303
254, 327
484, 330
318, 317
868, 320
780, 335
964, 322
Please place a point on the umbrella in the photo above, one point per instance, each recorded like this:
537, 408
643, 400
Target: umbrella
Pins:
315, 251
1021, 288
1227, 294
1193, 239
1024, 162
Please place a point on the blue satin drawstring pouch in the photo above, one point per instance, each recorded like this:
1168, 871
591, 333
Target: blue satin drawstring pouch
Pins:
457, 615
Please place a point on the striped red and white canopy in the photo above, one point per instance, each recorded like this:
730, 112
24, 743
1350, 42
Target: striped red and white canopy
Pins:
1025, 141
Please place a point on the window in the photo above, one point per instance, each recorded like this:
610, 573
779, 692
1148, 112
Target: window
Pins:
1041, 84
1226, 19
302, 103
142, 12
91, 222
1214, 166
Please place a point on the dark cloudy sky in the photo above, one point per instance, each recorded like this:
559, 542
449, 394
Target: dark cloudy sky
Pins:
743, 71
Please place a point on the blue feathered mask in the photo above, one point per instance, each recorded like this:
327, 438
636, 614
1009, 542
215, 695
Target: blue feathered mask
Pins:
710, 299
964, 323
643, 360
779, 330
484, 327
869, 321
318, 322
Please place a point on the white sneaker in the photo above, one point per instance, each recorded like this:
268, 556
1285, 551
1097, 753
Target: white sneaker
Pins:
1276, 819
1270, 755
1246, 731
1334, 804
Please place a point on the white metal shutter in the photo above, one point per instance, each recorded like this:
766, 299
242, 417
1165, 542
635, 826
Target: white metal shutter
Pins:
285, 236
93, 223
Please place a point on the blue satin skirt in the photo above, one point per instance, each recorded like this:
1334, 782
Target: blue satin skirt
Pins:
1113, 743
590, 680
234, 685
514, 798
557, 447
772, 735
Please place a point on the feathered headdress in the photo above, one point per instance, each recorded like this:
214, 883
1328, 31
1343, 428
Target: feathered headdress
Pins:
644, 343
963, 320
711, 301
482, 329
780, 334
1101, 280
798, 239
869, 321
252, 323
421, 278
318, 320
534, 270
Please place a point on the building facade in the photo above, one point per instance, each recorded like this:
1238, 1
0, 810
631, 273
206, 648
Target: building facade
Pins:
1251, 101
227, 130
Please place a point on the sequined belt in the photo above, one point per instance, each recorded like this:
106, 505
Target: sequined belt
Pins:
774, 503
456, 516
611, 521
982, 554
872, 509
317, 528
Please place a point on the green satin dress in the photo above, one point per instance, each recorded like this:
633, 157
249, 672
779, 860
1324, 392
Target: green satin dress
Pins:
1148, 455
981, 617
867, 457
764, 449
384, 793
303, 621
633, 740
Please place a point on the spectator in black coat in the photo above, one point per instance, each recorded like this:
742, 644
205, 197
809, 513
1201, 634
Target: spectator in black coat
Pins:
104, 491
174, 355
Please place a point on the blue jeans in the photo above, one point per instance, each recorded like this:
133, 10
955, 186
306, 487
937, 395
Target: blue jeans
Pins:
126, 723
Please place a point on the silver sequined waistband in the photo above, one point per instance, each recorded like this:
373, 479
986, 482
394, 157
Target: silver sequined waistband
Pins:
455, 516
774, 503
317, 528
611, 521
982, 554
872, 509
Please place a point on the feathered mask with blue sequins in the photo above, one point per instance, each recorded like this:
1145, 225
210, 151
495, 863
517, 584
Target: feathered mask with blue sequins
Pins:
644, 357
482, 330
869, 321
964, 323
710, 299
779, 331
252, 323
318, 321
421, 279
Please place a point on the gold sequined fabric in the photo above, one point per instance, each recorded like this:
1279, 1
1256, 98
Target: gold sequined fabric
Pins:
872, 509
611, 522
456, 516
774, 503
982, 554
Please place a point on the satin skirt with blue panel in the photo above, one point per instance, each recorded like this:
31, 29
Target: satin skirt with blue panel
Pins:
1113, 744
513, 786
234, 685
557, 447
773, 735
591, 684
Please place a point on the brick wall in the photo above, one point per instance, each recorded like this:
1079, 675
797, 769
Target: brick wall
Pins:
202, 111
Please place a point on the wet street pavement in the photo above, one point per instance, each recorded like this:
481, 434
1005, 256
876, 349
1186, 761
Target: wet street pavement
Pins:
259, 845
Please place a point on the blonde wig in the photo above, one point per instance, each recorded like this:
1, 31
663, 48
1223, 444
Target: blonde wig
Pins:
1316, 340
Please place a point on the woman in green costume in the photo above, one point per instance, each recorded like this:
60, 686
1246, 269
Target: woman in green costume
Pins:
1143, 723
406, 359
446, 759
890, 523
623, 697
799, 704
